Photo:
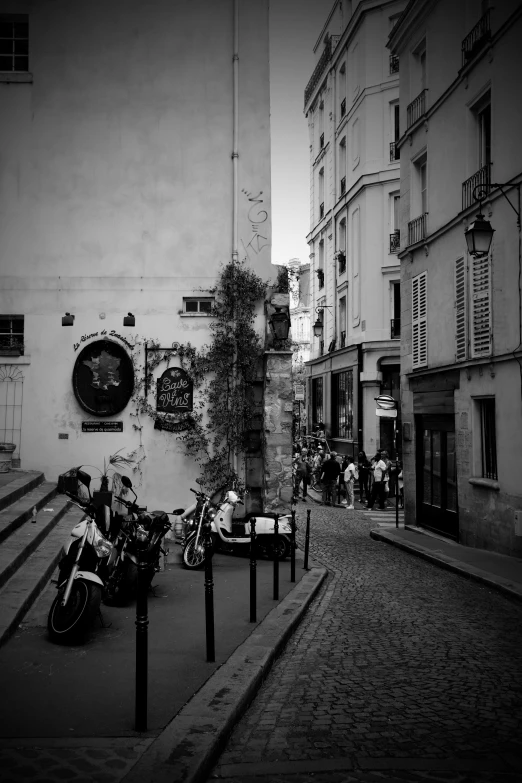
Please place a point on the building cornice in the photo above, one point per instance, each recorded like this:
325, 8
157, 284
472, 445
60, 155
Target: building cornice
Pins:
414, 13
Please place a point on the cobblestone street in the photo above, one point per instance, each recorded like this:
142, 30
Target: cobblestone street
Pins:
399, 671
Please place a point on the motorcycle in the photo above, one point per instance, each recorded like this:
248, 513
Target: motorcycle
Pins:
231, 535
138, 534
83, 569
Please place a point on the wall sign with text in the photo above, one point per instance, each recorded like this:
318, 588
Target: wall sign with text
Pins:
174, 392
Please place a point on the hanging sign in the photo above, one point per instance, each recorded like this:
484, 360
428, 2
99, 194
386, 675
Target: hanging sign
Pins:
386, 406
386, 414
175, 391
172, 426
299, 392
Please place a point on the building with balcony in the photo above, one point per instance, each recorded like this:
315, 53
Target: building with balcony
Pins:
135, 164
352, 107
461, 330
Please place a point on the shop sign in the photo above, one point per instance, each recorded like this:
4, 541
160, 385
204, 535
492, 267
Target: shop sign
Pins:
102, 426
299, 392
172, 426
175, 391
103, 378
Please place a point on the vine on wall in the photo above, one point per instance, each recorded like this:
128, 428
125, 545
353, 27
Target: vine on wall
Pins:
222, 373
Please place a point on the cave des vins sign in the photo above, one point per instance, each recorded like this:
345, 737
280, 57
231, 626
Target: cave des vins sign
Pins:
174, 391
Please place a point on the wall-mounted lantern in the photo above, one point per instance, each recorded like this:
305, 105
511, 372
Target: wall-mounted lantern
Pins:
67, 319
129, 320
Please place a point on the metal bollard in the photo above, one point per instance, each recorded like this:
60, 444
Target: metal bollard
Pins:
292, 548
397, 505
307, 540
209, 594
142, 622
253, 567
276, 560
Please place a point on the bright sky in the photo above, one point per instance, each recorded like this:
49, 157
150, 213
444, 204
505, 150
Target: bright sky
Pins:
295, 26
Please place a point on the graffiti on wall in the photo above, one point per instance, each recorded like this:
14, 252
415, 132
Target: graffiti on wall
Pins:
257, 216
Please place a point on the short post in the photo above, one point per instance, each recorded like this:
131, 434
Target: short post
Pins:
397, 505
253, 567
307, 540
142, 622
276, 559
209, 594
292, 548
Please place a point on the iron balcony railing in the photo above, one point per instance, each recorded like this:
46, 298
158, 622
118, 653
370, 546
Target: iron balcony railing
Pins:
343, 340
395, 241
318, 70
343, 107
395, 330
395, 152
476, 39
321, 209
343, 186
394, 63
481, 177
417, 229
416, 109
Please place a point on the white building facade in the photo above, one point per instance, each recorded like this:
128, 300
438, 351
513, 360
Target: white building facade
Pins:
135, 163
461, 327
351, 103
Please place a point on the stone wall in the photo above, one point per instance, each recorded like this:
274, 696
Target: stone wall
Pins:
278, 400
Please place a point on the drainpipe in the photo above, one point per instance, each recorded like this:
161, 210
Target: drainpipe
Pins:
235, 139
359, 396
235, 161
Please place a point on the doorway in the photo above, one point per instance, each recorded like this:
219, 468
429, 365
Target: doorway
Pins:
437, 506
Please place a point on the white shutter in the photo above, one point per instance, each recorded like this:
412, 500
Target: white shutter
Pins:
480, 307
461, 310
419, 320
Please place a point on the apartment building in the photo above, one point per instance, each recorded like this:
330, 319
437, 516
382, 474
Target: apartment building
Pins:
135, 164
352, 107
461, 332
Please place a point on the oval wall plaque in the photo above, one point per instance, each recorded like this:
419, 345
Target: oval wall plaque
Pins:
175, 391
103, 378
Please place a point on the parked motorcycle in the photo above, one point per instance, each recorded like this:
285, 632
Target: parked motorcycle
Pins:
83, 569
138, 534
232, 535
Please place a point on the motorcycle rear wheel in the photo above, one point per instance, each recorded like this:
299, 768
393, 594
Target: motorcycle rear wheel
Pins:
193, 557
67, 623
278, 548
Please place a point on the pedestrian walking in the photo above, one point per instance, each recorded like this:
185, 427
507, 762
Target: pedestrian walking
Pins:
330, 470
379, 470
303, 474
400, 484
364, 466
342, 486
386, 478
350, 476
317, 463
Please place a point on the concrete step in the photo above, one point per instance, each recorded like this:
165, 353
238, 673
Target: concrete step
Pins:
27, 582
21, 509
26, 538
15, 483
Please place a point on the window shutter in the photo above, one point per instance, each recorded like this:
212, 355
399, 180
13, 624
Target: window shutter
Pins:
461, 311
419, 321
480, 307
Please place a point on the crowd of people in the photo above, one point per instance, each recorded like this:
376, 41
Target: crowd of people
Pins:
335, 475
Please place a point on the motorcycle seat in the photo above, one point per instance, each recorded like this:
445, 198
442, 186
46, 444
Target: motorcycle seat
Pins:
244, 520
238, 531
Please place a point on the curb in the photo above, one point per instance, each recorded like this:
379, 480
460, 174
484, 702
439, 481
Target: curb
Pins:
187, 748
506, 586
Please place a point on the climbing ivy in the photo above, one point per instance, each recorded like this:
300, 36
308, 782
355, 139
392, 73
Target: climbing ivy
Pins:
222, 373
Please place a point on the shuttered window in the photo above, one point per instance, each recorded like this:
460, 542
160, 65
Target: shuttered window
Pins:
461, 310
419, 321
480, 307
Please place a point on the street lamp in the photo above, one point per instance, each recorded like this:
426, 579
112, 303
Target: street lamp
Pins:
479, 234
319, 324
280, 324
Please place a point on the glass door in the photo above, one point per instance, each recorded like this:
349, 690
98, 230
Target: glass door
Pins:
437, 507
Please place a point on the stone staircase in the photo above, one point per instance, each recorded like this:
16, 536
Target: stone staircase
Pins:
29, 551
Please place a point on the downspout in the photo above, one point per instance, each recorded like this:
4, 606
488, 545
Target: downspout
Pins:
235, 161
359, 397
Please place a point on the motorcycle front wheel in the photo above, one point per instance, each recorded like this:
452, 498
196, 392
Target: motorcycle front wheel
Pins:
194, 556
278, 548
67, 623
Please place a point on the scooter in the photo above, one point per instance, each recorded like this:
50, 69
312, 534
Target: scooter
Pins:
233, 535
83, 569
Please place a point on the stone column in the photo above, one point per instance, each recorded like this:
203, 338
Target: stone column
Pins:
371, 388
278, 401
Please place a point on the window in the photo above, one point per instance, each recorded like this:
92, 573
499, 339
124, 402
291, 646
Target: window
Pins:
355, 143
395, 310
320, 270
343, 404
14, 42
394, 150
419, 321
342, 321
11, 335
342, 165
484, 127
354, 240
342, 89
320, 125
488, 438
202, 306
417, 227
355, 70
317, 400
395, 234
342, 237
321, 194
